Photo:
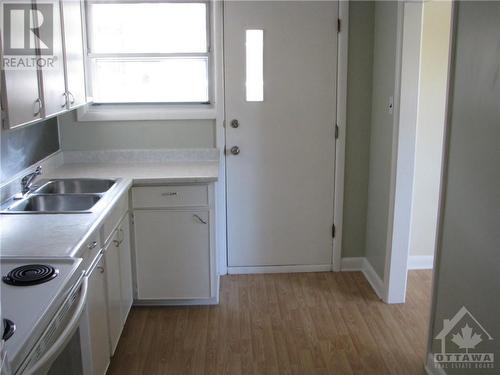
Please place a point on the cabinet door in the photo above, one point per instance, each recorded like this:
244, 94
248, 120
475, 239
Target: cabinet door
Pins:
54, 88
172, 254
73, 52
112, 261
19, 90
98, 320
125, 268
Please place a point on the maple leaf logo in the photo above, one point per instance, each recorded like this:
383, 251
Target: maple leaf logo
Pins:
466, 340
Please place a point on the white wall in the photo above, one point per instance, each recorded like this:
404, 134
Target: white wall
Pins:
430, 126
135, 134
468, 256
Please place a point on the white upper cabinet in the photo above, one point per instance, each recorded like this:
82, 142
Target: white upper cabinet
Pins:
23, 104
53, 84
74, 52
45, 75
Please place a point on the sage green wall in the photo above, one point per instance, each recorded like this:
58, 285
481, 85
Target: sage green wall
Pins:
468, 254
135, 134
382, 128
359, 102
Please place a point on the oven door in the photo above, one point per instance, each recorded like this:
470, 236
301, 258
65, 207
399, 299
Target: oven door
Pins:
59, 349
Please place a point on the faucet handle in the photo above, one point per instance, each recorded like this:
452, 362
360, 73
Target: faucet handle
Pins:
38, 170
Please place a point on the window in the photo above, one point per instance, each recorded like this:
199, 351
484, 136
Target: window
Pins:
149, 52
254, 65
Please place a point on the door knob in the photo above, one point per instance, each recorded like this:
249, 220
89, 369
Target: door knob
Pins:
235, 150
235, 123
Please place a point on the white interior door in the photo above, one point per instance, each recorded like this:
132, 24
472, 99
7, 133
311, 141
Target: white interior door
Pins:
280, 186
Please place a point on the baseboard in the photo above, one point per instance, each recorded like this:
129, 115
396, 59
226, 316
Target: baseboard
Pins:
374, 279
352, 264
431, 368
279, 269
420, 262
178, 302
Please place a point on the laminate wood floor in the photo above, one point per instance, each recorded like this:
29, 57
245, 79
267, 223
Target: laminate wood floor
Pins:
308, 323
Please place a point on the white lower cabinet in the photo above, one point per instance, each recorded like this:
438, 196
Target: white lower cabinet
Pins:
112, 260
98, 320
118, 281
172, 254
127, 296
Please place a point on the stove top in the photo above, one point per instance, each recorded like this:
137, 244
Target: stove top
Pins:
30, 274
31, 307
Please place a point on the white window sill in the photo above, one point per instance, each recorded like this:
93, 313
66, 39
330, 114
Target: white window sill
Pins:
134, 112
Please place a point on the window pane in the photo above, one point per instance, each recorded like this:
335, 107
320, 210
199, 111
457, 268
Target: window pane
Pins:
255, 65
178, 80
147, 27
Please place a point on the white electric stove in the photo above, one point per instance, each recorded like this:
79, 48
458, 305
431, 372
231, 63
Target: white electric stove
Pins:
32, 291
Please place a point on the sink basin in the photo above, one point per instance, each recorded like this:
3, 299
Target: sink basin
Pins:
55, 203
76, 186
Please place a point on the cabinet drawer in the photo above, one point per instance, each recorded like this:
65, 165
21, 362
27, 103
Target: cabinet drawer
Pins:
170, 196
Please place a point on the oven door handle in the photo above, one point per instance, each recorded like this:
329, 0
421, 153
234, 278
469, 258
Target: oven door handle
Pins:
66, 333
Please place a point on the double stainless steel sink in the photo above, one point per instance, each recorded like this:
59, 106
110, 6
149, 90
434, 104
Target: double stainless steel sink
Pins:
60, 196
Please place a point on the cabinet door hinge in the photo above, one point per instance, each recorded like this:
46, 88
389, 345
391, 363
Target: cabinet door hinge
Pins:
333, 230
336, 131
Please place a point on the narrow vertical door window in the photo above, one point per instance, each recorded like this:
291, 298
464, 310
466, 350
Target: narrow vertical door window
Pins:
255, 65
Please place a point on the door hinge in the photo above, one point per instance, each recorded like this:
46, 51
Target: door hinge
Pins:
339, 23
336, 131
333, 230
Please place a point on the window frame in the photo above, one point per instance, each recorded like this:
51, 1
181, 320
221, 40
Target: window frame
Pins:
160, 109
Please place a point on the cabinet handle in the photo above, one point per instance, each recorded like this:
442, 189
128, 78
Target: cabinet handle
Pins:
119, 241
65, 96
37, 107
169, 194
71, 98
200, 219
100, 268
92, 245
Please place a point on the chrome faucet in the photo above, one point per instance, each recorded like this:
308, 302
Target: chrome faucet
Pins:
28, 180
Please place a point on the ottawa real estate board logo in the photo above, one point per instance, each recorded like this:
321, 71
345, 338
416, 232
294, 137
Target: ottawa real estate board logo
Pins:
464, 343
27, 35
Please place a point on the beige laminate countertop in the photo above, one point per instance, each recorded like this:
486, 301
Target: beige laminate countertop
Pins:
62, 235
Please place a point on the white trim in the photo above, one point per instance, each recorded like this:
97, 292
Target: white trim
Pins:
431, 368
352, 264
134, 112
342, 66
363, 265
420, 262
374, 280
279, 269
404, 135
220, 135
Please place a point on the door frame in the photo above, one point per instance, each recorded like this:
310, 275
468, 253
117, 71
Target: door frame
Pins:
341, 113
341, 122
